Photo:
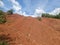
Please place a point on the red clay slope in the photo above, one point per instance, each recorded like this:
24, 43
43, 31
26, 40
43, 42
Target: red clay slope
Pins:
30, 31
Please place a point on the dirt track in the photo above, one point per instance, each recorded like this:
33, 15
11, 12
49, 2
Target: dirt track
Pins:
30, 31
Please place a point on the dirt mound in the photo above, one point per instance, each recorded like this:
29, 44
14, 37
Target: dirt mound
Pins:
30, 31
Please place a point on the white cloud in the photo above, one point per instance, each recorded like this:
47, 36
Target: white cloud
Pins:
1, 3
55, 11
38, 12
24, 13
16, 6
15, 2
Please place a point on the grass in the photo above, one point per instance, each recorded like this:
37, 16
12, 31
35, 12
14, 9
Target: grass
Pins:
3, 43
4, 39
2, 19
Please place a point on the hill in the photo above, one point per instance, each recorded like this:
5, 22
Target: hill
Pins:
22, 30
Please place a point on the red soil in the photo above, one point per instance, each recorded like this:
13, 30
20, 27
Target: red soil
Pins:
30, 31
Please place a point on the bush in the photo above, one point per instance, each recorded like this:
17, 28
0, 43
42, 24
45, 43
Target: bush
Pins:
10, 11
3, 39
51, 16
2, 20
48, 15
39, 18
3, 43
1, 12
2, 17
57, 16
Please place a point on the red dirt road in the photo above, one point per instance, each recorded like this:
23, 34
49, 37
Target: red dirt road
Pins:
30, 31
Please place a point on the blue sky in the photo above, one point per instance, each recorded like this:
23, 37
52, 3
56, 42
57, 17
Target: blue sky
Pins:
30, 7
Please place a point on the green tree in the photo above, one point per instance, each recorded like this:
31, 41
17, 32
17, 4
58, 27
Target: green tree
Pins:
10, 11
57, 16
48, 15
1, 12
51, 16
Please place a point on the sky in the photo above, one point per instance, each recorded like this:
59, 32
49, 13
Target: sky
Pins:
31, 7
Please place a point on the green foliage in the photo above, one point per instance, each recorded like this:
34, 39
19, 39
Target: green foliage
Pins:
10, 11
57, 16
1, 12
48, 15
51, 16
2, 17
2, 21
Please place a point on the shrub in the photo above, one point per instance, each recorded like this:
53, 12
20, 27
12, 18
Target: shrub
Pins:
3, 43
39, 18
2, 21
48, 15
1, 12
57, 16
51, 16
3, 39
10, 11
2, 17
